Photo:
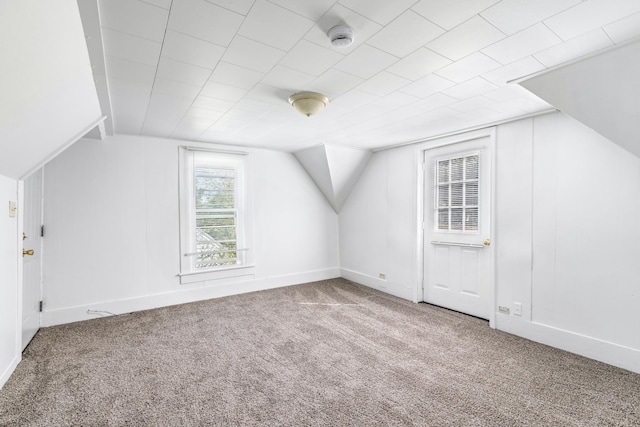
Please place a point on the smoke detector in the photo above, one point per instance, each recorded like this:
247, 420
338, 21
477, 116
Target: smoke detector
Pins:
341, 36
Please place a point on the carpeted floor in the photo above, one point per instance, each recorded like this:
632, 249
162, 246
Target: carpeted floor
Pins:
329, 353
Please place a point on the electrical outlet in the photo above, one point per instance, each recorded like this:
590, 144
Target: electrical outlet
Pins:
382, 276
517, 309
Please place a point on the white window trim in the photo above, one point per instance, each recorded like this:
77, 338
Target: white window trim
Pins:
186, 188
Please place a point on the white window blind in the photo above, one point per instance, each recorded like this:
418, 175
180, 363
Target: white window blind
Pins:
457, 193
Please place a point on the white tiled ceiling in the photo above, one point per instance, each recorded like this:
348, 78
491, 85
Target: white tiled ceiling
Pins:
265, 23
366, 61
527, 42
466, 38
590, 15
451, 13
405, 34
222, 70
182, 72
181, 47
125, 46
202, 20
579, 46
468, 67
135, 18
252, 54
624, 29
380, 11
419, 64
310, 58
512, 16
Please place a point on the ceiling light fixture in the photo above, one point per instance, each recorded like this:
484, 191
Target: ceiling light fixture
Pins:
308, 103
341, 36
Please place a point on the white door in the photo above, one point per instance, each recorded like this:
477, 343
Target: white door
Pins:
457, 252
32, 256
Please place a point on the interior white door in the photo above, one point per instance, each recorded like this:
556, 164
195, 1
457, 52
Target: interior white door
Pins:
457, 227
32, 256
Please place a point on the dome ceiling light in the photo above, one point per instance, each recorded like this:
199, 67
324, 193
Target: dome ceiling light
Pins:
341, 36
308, 103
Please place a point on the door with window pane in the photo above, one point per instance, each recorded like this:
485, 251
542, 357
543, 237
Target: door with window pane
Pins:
457, 227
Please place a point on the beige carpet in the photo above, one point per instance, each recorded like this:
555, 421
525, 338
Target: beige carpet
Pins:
330, 353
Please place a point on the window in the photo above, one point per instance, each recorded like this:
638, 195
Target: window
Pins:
456, 195
213, 212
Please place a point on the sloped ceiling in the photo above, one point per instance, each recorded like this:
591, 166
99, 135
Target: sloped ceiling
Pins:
47, 94
335, 170
601, 91
221, 71
90, 16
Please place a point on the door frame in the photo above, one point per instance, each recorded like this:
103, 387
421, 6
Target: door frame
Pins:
420, 153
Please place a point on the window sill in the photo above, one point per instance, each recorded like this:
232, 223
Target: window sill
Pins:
223, 273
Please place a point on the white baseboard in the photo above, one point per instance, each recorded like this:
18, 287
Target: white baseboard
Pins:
181, 296
379, 284
593, 348
7, 372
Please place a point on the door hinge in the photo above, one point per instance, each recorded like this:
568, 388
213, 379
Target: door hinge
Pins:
42, 231
40, 306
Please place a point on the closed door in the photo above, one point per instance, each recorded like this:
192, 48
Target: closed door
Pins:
457, 273
32, 256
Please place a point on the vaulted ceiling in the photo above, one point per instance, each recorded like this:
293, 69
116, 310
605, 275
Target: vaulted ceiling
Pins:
222, 70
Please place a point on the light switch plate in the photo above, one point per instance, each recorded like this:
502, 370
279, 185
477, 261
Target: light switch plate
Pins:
13, 207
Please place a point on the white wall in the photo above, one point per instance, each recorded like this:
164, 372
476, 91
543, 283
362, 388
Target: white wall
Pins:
567, 200
514, 214
9, 302
48, 96
586, 273
112, 243
378, 225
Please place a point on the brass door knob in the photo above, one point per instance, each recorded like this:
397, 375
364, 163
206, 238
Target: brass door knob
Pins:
487, 242
27, 252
